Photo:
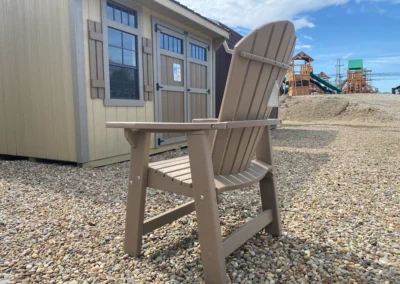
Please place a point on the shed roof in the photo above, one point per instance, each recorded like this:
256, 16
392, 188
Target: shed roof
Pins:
182, 13
234, 36
355, 64
201, 16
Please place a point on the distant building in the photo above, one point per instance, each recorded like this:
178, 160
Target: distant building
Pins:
396, 90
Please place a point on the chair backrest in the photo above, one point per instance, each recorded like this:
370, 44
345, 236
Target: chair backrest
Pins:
252, 77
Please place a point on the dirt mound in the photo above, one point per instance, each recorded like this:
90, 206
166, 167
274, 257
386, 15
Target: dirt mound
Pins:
371, 108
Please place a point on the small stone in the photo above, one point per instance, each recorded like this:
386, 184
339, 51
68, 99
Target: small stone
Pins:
269, 274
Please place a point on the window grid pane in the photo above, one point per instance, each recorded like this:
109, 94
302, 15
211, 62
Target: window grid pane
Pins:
171, 43
161, 41
198, 52
117, 15
124, 83
124, 76
114, 37
132, 20
120, 14
165, 41
125, 18
110, 11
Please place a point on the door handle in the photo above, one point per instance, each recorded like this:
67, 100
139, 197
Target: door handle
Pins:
159, 87
160, 141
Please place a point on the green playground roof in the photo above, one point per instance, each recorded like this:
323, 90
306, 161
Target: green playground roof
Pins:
355, 64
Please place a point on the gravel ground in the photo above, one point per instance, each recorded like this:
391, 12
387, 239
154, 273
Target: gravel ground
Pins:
339, 193
355, 108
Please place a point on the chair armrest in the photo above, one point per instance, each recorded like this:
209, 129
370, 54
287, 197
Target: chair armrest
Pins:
212, 133
165, 126
171, 127
200, 120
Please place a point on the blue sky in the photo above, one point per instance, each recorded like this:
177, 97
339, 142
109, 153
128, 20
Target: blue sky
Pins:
326, 30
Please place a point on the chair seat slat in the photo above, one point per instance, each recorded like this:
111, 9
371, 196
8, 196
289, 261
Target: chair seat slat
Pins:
181, 174
172, 162
168, 161
175, 168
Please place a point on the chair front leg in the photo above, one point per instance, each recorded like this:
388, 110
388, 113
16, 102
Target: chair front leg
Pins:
140, 150
206, 208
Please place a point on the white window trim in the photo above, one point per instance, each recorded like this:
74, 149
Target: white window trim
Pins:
107, 23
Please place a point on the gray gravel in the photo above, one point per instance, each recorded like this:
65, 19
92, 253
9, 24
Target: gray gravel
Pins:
351, 108
339, 192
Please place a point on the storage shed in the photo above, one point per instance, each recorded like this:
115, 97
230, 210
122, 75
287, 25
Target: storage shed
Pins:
69, 66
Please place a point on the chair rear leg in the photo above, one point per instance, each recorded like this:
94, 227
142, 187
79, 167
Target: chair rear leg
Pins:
136, 191
269, 200
268, 190
206, 209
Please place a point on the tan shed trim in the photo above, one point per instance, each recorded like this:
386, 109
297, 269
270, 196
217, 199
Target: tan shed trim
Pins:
96, 60
77, 43
148, 71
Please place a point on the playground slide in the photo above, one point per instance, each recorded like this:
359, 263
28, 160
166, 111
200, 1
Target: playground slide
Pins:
325, 83
325, 90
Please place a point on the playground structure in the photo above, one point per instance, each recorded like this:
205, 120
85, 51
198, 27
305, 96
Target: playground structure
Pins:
302, 81
358, 79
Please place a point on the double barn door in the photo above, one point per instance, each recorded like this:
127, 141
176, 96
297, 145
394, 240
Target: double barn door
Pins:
182, 80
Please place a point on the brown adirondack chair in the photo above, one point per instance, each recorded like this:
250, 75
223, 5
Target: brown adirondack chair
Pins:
225, 154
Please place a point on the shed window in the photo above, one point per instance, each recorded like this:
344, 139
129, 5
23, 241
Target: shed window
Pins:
198, 52
124, 81
122, 57
171, 43
121, 14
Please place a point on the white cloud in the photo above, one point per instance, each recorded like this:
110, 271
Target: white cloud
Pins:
303, 46
381, 11
347, 55
303, 23
253, 13
308, 37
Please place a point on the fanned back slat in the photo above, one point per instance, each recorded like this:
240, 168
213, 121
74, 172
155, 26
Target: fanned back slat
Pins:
247, 92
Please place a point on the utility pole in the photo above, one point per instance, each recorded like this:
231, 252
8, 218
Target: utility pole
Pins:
338, 80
